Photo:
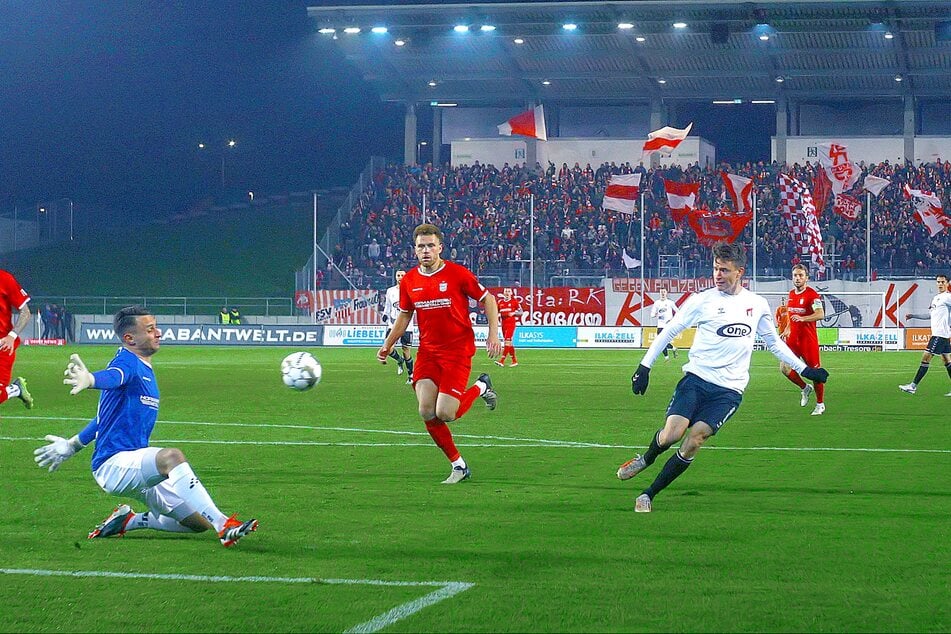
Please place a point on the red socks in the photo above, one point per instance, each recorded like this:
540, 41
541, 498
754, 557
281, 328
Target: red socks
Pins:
820, 392
443, 437
468, 398
795, 378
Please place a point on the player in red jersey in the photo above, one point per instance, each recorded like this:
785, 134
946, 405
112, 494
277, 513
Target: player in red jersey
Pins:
805, 309
438, 292
13, 299
510, 308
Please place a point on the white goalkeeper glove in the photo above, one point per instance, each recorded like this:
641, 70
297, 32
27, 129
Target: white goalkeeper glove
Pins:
77, 375
57, 452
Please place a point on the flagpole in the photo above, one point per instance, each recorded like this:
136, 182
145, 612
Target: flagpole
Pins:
424, 208
643, 263
313, 279
531, 256
868, 239
754, 240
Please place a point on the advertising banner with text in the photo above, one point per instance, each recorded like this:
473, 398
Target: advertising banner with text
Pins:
559, 306
609, 337
205, 334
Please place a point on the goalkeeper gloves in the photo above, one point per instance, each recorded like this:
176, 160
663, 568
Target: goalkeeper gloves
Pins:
819, 375
640, 379
57, 452
77, 375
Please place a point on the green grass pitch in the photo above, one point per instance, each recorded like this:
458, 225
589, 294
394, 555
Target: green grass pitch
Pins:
785, 522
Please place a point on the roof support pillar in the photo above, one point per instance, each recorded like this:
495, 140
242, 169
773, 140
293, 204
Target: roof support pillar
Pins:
409, 135
658, 120
437, 135
909, 131
782, 128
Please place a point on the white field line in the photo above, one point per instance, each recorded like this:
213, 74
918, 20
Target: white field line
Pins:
526, 443
445, 589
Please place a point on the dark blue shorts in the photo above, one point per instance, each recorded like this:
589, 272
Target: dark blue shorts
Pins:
700, 401
939, 345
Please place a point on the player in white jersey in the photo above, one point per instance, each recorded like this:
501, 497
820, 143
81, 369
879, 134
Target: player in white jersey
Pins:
940, 341
727, 317
391, 310
663, 310
123, 463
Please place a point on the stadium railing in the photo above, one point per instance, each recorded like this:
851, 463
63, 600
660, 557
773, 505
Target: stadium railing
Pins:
260, 306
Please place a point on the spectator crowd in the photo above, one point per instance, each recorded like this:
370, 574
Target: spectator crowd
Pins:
485, 214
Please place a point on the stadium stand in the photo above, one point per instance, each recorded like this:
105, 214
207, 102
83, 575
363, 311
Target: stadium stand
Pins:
484, 211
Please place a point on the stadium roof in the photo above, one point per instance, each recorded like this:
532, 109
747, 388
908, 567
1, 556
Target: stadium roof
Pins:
626, 51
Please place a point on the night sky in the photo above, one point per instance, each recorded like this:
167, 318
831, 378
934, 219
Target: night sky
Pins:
106, 102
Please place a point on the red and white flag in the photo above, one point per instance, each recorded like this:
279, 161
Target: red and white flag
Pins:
740, 190
530, 123
716, 226
928, 210
834, 157
800, 215
876, 184
665, 139
621, 192
849, 207
821, 188
681, 198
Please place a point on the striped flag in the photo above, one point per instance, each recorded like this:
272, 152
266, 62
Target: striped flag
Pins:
800, 216
740, 190
928, 210
665, 139
621, 192
681, 198
530, 123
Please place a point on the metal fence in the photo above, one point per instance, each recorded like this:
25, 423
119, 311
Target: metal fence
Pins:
261, 306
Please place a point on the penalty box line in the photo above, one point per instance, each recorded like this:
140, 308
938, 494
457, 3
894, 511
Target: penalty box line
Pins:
444, 589
527, 444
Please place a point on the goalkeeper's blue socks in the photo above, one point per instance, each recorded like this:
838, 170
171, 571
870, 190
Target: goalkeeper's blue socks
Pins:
396, 357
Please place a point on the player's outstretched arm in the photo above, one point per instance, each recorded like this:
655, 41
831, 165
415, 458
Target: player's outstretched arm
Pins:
77, 376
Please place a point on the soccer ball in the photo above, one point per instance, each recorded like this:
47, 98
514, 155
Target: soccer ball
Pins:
300, 371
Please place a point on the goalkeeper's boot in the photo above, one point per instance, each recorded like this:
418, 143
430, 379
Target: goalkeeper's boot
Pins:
457, 475
910, 388
489, 396
631, 468
234, 530
804, 399
642, 504
114, 525
25, 395
819, 410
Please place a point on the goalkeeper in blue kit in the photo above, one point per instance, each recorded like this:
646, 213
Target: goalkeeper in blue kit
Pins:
728, 318
123, 463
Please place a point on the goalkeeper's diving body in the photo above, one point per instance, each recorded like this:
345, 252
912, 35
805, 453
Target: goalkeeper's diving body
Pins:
123, 463
728, 318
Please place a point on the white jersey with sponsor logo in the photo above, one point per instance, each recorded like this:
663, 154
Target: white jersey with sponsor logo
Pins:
726, 330
391, 308
663, 310
941, 315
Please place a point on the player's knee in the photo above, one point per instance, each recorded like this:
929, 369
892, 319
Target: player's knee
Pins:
427, 413
169, 458
446, 414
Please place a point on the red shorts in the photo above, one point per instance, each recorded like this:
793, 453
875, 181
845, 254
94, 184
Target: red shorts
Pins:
805, 348
450, 372
6, 364
508, 329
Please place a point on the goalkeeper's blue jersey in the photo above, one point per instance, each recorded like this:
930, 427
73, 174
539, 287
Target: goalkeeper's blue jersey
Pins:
128, 406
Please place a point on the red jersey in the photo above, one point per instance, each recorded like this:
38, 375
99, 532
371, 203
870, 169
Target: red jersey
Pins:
12, 299
441, 303
803, 304
507, 309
